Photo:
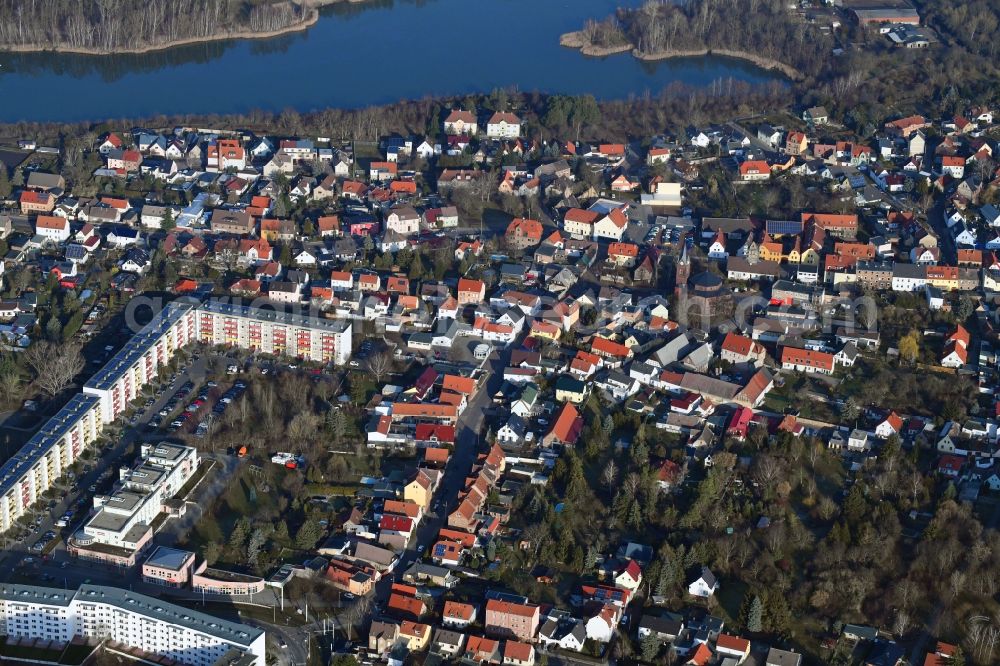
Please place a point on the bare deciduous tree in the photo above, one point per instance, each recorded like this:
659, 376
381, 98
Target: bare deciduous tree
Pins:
379, 365
901, 623
610, 475
767, 471
55, 365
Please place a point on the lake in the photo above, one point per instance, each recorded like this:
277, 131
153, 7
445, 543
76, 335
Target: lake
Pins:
355, 55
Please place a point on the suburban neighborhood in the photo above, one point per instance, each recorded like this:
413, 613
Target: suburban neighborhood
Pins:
720, 396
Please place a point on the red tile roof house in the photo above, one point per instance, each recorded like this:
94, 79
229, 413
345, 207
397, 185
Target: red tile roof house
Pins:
457, 614
907, 126
755, 170
481, 650
942, 655
839, 226
507, 619
516, 653
461, 122
733, 646
956, 352
523, 232
950, 465
471, 291
381, 171
738, 348
806, 360
613, 353
891, 425
566, 429
395, 531
431, 434
739, 423
405, 607
36, 202
52, 227
623, 254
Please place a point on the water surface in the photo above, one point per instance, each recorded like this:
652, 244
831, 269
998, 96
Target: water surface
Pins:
355, 55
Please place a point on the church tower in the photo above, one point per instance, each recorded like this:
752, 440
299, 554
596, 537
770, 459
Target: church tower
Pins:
682, 269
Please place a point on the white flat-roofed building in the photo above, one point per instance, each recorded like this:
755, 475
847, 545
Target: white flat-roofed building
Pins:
100, 613
122, 525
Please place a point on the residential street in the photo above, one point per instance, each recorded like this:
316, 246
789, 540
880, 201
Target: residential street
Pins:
467, 442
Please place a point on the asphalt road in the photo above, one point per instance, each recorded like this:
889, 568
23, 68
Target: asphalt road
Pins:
467, 440
59, 569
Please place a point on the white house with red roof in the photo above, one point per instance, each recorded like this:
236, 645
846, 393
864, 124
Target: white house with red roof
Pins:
612, 225
717, 249
956, 348
629, 576
52, 228
890, 425
111, 142
461, 122
503, 125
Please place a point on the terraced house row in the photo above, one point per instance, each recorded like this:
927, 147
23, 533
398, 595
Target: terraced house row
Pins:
58, 444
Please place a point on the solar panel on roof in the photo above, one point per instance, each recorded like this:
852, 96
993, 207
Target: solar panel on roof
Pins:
784, 227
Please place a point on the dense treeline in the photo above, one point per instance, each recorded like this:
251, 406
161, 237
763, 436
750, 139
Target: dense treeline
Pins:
971, 23
113, 25
764, 29
676, 106
861, 86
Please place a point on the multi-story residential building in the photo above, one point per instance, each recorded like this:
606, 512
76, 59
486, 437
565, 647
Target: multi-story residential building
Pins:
461, 122
58, 444
874, 275
47, 456
52, 227
908, 277
271, 332
36, 202
137, 363
579, 223
503, 126
100, 613
511, 620
225, 154
298, 149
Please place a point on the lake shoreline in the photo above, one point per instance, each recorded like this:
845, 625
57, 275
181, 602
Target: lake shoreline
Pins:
310, 19
575, 40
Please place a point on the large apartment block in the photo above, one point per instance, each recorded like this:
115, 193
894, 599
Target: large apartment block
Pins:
100, 613
121, 379
46, 456
273, 332
33, 469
